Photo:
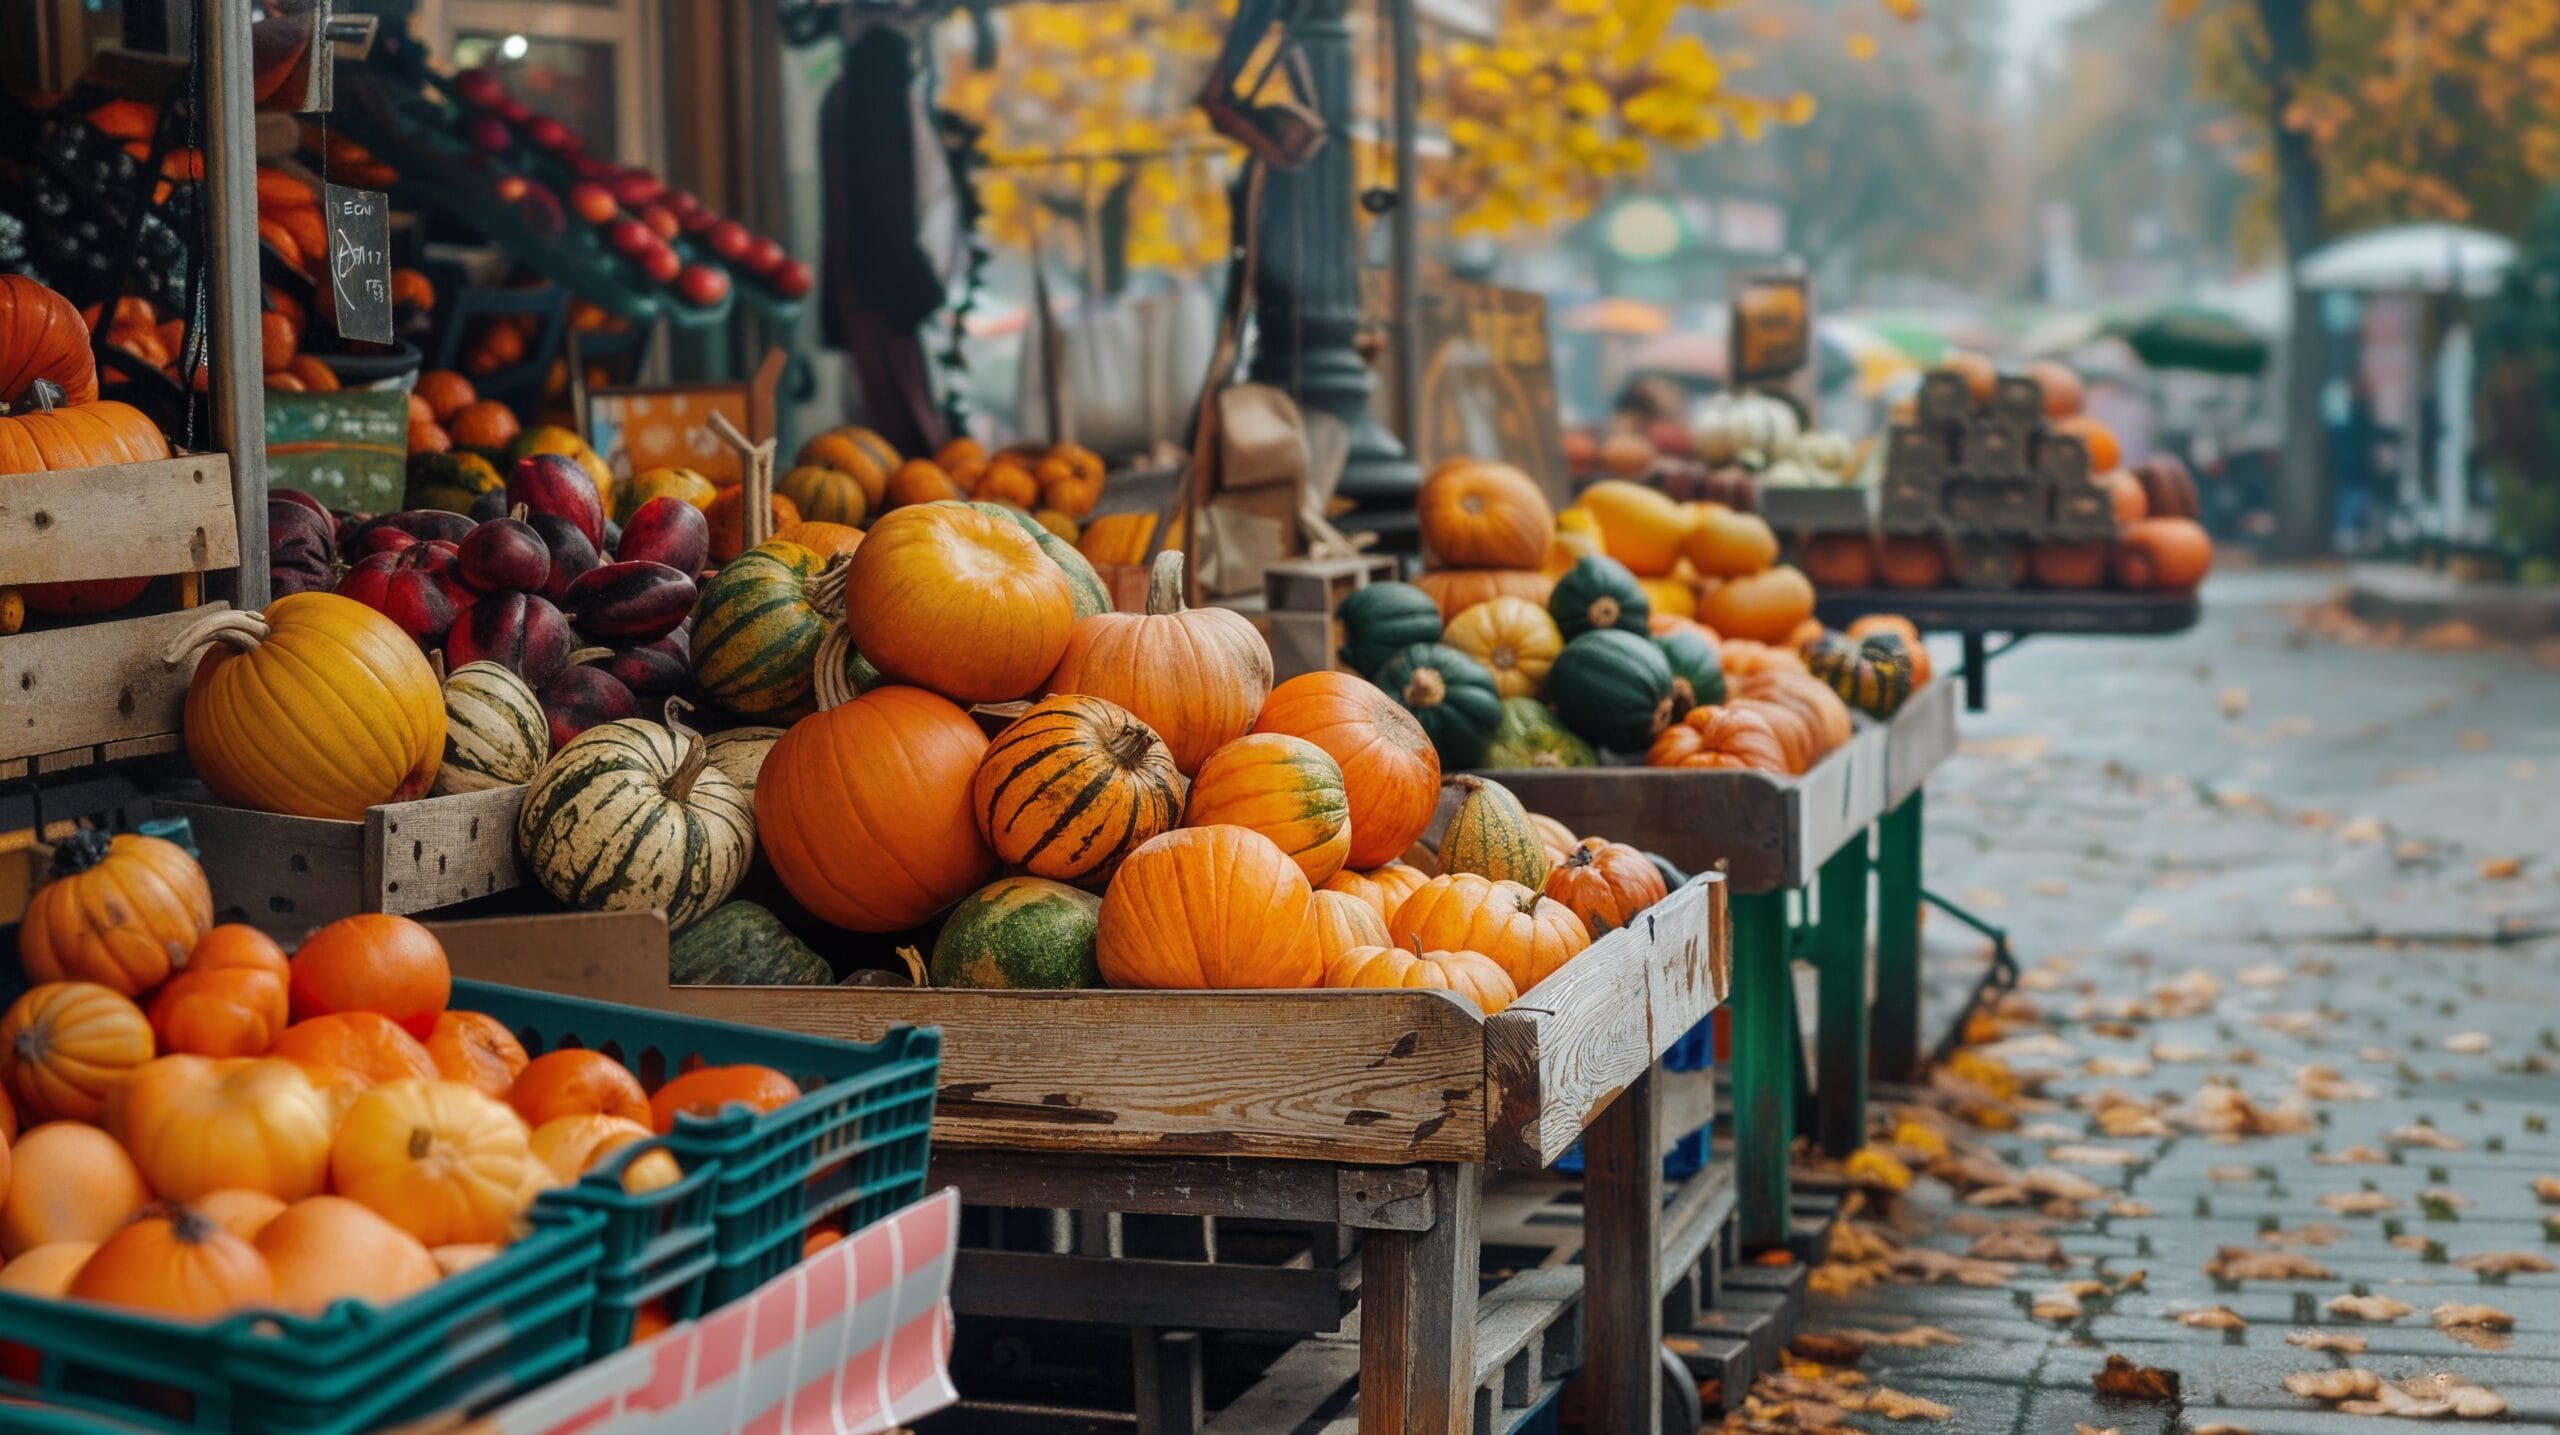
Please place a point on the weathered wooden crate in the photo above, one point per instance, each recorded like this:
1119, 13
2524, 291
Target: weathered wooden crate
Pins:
2014, 504
89, 691
1993, 448
1841, 508
1944, 398
1918, 453
1986, 560
291, 874
1918, 737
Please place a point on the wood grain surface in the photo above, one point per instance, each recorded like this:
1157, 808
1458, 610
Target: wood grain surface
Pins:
93, 686
126, 520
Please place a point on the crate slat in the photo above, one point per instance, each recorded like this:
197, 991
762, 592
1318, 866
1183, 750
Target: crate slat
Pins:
127, 520
294, 873
100, 685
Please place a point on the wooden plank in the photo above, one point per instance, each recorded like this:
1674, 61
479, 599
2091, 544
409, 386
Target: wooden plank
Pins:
1683, 1102
1516, 1312
103, 683
438, 851
1385, 1198
286, 874
1365, 1077
1030, 1285
1311, 1377
1418, 1317
1557, 1056
1696, 819
1621, 1246
1918, 738
125, 520
1836, 803
2035, 610
1690, 1222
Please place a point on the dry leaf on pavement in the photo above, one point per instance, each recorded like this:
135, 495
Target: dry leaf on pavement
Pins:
2056, 1184
2322, 1082
2234, 702
2333, 1385
2062, 1302
2467, 1043
1827, 1348
2424, 1136
2358, 1203
2358, 1155
2239, 1263
2546, 1189
2368, 1307
2344, 1342
1918, 1337
2086, 1155
2228, 1174
2125, 1380
2359, 831
2214, 1317
2501, 869
2083, 1427
2450, 1314
2219, 1428
2024, 1247
2505, 1263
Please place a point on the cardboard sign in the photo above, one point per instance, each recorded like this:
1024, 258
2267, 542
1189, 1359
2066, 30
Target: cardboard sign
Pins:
349, 449
359, 223
1488, 380
640, 429
1772, 334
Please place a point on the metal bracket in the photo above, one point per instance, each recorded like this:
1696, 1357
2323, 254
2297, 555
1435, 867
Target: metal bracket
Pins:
2000, 979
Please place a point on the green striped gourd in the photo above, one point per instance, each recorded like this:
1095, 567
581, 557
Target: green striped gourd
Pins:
1872, 674
1697, 669
744, 945
1489, 834
757, 626
1286, 788
1530, 736
1019, 934
631, 814
494, 732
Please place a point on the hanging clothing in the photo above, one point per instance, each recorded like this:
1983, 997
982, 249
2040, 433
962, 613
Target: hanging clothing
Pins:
878, 286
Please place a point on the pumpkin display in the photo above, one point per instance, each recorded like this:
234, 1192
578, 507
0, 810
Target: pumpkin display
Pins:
1196, 676
328, 1249
122, 911
865, 812
2125, 496
1206, 907
1478, 978
1839, 560
708, 1091
824, 539
1872, 675
1489, 834
1697, 668
1606, 884
1085, 587
1903, 628
1729, 736
1380, 620
175, 1262
1513, 639
1390, 770
2170, 555
961, 603
1381, 888
435, 1158
576, 1082
1286, 788
42, 338
1476, 513
69, 1181
65, 1045
827, 495
1639, 526
1019, 934
1726, 544
1337, 922
229, 1001
1452, 695
477, 1050
319, 707
347, 1052
631, 814
195, 1124
1119, 539
1598, 592
1613, 688
495, 734
757, 626
742, 944
855, 452
1530, 736
1524, 933
1764, 607
1456, 590
1068, 788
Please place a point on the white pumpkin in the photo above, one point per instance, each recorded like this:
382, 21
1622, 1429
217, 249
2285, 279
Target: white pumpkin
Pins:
1732, 425
494, 732
632, 814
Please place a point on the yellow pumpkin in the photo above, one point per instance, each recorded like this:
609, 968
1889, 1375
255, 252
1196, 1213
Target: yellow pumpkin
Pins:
198, 1124
826, 495
681, 483
957, 601
1639, 526
1726, 544
438, 1159
1670, 596
1514, 638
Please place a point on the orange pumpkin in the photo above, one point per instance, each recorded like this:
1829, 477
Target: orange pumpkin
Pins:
477, 1050
576, 1082
1726, 544
328, 1249
42, 337
1981, 376
1009, 482
1840, 560
120, 911
1340, 921
196, 1124
482, 423
2068, 565
1390, 772
375, 962
69, 1181
229, 1000
1822, 709
1382, 888
65, 1045
1197, 676
45, 1271
1764, 607
1913, 562
1214, 907
1605, 884
1554, 838
2126, 496
175, 1262
1070, 481
1286, 788
444, 392
1068, 788
1472, 975
242, 1213
570, 1146
1458, 589
958, 601
921, 480
1903, 628
854, 450
1526, 934
824, 539
864, 808
367, 1047
1484, 514
2064, 394
727, 516
708, 1091
2163, 555
437, 1159
2104, 452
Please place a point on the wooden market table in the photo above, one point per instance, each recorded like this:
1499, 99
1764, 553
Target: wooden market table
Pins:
1976, 614
1376, 1112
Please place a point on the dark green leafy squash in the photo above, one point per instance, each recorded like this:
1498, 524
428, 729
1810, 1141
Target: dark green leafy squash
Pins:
742, 945
1612, 687
1596, 593
1697, 670
1384, 619
1450, 694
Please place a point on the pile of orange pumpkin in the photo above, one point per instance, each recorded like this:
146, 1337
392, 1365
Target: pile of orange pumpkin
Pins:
850, 475
212, 1126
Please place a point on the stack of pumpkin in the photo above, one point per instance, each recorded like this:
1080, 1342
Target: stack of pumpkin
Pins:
213, 1126
845, 476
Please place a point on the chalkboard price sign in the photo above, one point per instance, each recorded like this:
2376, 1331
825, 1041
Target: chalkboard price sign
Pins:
360, 261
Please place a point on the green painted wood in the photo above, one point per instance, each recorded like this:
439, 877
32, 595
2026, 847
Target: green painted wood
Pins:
1896, 1043
1840, 955
1765, 1043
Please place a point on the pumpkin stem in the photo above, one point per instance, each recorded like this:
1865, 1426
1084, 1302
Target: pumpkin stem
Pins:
422, 1139
1603, 612
1164, 584
241, 630
520, 512
834, 687
79, 852
187, 1225
435, 660
42, 396
697, 753
584, 656
1414, 941
1425, 689
1130, 745
826, 591
915, 965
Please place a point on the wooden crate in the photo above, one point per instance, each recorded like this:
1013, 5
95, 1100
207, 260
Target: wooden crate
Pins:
1997, 505
1993, 448
93, 691
291, 874
1918, 737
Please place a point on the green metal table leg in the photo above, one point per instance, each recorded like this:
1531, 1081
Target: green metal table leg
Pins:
1896, 1045
1765, 1042
1840, 956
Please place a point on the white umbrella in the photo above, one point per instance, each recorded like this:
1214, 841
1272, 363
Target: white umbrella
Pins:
2412, 259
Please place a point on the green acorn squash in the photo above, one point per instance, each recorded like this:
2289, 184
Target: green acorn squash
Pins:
1697, 670
1530, 736
1450, 694
1612, 687
1383, 619
743, 945
1596, 593
449, 481
1019, 934
1490, 835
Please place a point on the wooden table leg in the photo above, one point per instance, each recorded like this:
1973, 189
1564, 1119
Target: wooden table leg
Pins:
1840, 955
1418, 1316
1896, 1043
1621, 1251
1764, 1060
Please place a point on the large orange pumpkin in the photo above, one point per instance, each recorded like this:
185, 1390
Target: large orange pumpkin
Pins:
328, 1249
42, 337
321, 707
2163, 554
1286, 788
1390, 772
1764, 607
1382, 888
1472, 975
707, 1091
1606, 884
958, 601
477, 1050
69, 1181
2104, 452
1523, 932
1197, 676
1340, 921
1071, 786
120, 911
65, 1045
1726, 544
1478, 513
864, 809
175, 1262
196, 1124
576, 1082
1217, 907
230, 998
437, 1159
375, 962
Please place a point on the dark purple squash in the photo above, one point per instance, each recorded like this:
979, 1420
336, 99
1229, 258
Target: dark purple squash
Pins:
657, 669
628, 602
518, 631
571, 553
394, 531
414, 587
302, 546
548, 483
669, 531
505, 553
582, 696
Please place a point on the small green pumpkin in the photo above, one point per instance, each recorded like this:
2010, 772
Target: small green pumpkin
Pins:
1019, 934
757, 626
743, 945
1490, 835
1596, 593
1872, 675
1384, 619
1612, 687
1450, 694
449, 481
1697, 670
1530, 736
1084, 586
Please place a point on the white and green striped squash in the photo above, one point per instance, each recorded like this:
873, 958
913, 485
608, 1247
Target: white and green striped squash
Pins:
494, 732
1490, 835
740, 752
632, 814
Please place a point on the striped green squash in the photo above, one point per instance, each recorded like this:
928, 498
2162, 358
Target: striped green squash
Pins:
1530, 736
1697, 669
1490, 835
449, 481
631, 814
744, 945
494, 732
756, 630
1019, 934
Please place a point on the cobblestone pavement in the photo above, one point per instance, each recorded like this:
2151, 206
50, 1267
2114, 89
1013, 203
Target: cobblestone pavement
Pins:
2320, 875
